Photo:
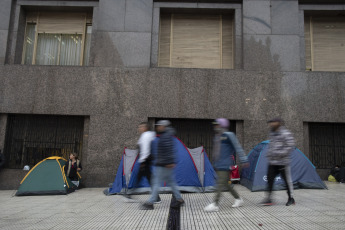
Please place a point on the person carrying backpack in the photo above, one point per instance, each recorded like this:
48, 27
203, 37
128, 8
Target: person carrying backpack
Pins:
225, 146
72, 168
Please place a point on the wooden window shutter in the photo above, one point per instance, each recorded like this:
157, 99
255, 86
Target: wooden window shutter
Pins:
307, 36
328, 39
164, 41
196, 41
61, 23
227, 42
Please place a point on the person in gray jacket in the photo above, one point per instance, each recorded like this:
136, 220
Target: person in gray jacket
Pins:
279, 158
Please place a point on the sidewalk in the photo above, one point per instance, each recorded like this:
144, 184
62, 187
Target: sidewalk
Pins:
89, 208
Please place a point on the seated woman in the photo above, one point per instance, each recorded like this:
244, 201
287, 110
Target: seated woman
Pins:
72, 167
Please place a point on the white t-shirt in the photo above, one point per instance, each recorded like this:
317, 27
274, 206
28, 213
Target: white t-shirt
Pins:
144, 143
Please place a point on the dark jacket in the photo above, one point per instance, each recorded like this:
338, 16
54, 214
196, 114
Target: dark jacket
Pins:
165, 148
73, 172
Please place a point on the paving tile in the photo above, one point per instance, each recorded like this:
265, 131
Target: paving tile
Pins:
90, 209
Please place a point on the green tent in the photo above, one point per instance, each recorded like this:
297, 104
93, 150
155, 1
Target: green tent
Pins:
46, 178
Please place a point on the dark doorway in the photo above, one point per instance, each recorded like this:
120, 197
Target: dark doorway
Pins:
327, 144
31, 138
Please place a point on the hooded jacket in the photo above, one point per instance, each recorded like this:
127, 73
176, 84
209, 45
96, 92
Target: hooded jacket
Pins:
225, 148
166, 148
280, 147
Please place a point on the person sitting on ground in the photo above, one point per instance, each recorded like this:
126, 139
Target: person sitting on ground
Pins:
335, 173
72, 167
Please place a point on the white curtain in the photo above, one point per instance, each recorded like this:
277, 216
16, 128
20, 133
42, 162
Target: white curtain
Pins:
48, 49
29, 43
70, 49
58, 49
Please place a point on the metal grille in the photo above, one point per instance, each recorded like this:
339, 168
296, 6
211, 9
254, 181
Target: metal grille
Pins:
31, 138
327, 144
196, 132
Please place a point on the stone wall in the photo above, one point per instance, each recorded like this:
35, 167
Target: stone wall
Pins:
123, 86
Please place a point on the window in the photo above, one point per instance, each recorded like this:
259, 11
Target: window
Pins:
53, 38
196, 41
327, 144
32, 138
324, 43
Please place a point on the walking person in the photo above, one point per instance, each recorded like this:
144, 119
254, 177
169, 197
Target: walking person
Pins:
165, 163
225, 146
72, 168
279, 158
145, 157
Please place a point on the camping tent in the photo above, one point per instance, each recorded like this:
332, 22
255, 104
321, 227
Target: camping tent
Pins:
303, 172
193, 171
46, 178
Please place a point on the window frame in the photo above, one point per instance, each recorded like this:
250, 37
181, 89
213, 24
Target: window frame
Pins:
35, 20
236, 8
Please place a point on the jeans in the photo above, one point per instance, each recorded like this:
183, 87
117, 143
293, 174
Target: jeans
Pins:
167, 175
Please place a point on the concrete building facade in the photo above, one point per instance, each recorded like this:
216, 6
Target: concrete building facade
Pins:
123, 83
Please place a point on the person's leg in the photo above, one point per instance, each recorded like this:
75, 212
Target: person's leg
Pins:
157, 178
222, 181
272, 172
285, 172
169, 176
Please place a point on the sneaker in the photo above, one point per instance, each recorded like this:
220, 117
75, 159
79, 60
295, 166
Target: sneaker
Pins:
158, 201
291, 201
267, 202
238, 203
146, 206
211, 208
177, 203
129, 199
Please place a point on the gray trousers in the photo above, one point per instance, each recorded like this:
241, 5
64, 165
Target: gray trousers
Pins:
222, 183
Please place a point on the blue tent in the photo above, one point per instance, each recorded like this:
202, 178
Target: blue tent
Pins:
303, 172
193, 171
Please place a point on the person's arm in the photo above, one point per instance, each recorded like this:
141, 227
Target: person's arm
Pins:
238, 148
79, 167
145, 146
289, 142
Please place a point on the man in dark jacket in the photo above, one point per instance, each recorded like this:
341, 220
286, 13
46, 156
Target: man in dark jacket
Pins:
165, 164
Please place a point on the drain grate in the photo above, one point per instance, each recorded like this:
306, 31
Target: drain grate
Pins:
174, 215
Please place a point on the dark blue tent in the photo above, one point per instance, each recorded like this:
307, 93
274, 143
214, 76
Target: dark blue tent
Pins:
303, 172
193, 171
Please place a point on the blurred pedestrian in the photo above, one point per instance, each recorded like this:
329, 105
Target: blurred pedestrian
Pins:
225, 147
145, 157
279, 159
165, 163
72, 168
